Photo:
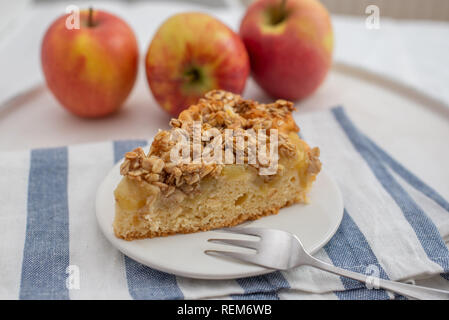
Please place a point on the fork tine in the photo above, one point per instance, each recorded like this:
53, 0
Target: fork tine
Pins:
258, 232
235, 242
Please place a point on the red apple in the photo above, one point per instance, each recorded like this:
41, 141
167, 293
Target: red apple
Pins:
290, 45
90, 70
190, 54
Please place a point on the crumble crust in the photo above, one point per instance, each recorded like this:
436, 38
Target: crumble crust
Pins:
220, 110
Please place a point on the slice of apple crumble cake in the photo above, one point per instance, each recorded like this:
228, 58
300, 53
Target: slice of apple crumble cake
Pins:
159, 195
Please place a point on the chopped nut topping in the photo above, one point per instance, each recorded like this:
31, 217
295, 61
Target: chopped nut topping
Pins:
157, 165
218, 110
315, 163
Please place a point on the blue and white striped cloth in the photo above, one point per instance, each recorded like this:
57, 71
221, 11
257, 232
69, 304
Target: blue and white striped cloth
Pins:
394, 225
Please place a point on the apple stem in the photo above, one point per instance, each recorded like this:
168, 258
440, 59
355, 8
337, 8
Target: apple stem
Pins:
90, 19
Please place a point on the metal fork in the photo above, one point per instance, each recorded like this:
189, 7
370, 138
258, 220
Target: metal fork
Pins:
281, 250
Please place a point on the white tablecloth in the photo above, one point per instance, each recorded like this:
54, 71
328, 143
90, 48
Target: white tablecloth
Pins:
411, 52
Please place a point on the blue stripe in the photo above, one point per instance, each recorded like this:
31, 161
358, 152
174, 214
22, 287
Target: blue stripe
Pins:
364, 294
413, 180
399, 297
425, 230
256, 296
143, 282
268, 284
350, 250
46, 249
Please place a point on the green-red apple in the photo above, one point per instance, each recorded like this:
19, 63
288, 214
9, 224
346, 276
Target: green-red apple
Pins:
190, 54
290, 45
90, 70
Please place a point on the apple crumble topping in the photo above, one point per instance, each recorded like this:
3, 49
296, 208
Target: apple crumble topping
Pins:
220, 110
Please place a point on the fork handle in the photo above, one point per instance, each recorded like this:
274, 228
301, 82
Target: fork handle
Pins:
408, 290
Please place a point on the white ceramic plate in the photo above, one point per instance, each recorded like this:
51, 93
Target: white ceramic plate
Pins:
183, 255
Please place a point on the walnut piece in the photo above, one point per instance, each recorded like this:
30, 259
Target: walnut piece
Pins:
218, 110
